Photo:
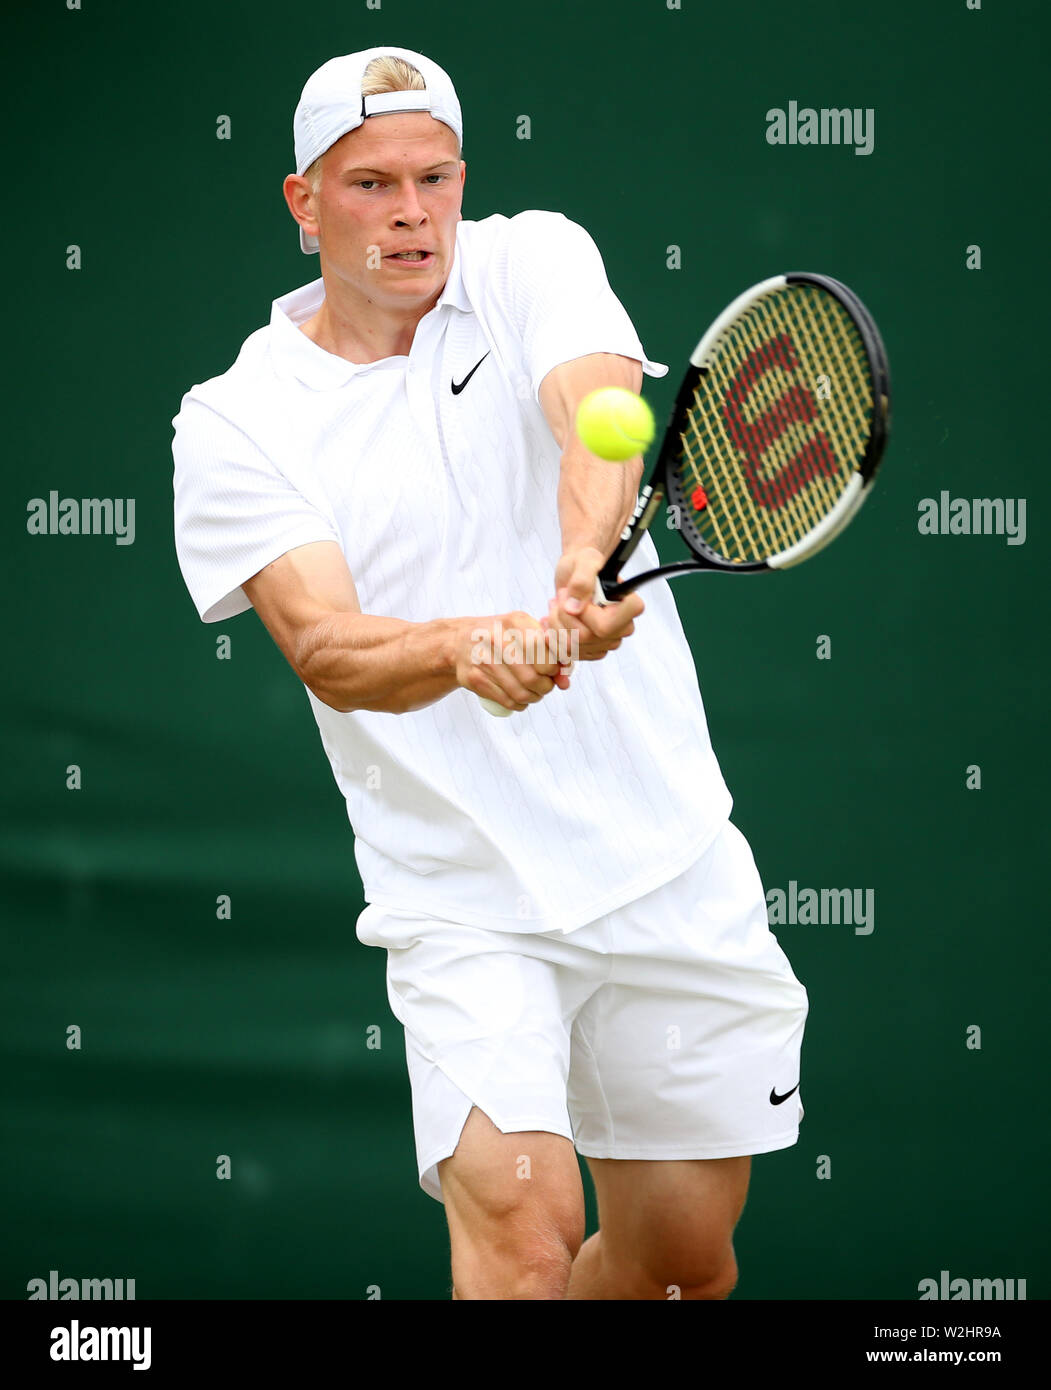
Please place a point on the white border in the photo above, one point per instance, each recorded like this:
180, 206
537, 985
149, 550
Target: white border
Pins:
703, 350
825, 530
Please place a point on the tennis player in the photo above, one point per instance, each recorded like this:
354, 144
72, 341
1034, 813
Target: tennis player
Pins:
577, 938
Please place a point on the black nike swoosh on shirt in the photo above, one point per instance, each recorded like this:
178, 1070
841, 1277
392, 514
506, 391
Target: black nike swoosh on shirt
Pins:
775, 1099
458, 389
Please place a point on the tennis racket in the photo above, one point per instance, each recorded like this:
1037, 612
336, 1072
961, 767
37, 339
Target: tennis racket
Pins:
774, 439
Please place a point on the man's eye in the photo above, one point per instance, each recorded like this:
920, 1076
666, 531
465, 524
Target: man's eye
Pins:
363, 182
437, 176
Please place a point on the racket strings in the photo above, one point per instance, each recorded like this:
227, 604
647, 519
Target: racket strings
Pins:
778, 424
796, 439
773, 425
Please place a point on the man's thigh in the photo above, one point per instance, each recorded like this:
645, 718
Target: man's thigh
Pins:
669, 1222
514, 1195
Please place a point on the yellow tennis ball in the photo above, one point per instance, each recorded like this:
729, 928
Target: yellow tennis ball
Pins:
615, 424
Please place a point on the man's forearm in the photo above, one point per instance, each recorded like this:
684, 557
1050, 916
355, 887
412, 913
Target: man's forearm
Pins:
595, 500
355, 661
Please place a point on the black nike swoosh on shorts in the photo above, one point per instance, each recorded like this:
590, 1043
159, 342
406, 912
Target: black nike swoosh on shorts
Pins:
458, 389
775, 1099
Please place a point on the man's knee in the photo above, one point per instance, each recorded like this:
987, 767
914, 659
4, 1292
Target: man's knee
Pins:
522, 1249
515, 1208
703, 1275
529, 1261
667, 1227
714, 1280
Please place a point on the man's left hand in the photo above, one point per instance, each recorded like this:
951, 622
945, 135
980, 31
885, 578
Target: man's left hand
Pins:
600, 628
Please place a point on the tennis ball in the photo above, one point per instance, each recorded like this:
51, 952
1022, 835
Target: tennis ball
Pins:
615, 424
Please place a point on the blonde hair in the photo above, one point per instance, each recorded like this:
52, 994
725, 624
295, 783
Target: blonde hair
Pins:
385, 74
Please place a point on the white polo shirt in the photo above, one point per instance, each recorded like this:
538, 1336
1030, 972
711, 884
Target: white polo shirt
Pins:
445, 505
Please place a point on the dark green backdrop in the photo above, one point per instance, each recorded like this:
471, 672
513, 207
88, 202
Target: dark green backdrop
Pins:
202, 777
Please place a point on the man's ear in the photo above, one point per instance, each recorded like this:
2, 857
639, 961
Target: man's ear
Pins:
297, 191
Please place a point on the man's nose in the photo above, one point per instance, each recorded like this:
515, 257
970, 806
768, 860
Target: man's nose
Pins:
409, 208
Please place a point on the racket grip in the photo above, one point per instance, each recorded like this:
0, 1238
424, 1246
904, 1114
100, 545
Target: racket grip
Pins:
491, 707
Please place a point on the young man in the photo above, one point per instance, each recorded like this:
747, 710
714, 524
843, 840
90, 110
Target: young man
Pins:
577, 939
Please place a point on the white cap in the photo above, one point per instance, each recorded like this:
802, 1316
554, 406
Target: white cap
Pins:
332, 104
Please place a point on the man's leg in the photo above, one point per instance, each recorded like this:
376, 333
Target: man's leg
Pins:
665, 1229
515, 1207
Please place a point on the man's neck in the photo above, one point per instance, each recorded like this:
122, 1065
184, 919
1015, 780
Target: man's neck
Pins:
367, 332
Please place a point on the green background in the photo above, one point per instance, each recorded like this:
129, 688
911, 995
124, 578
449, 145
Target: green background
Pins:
247, 1037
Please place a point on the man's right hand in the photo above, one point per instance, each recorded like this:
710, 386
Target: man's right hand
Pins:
512, 659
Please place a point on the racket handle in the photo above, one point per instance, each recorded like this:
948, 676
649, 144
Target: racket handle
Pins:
491, 707
498, 711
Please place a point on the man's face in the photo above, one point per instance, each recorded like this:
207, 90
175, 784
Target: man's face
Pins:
392, 185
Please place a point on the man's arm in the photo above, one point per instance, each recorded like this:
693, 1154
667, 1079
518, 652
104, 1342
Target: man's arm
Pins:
595, 501
356, 661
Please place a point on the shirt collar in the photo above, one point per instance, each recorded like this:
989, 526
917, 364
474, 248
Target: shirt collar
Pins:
298, 356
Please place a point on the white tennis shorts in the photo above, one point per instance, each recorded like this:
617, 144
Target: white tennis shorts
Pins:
669, 1029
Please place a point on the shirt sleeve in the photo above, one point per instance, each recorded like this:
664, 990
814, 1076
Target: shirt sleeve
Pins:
562, 301
235, 511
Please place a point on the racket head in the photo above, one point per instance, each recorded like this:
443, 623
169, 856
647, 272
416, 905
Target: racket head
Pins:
777, 430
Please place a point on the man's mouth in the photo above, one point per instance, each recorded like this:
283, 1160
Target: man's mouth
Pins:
411, 257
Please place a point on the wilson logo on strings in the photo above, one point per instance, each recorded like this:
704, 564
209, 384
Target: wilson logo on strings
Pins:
774, 486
